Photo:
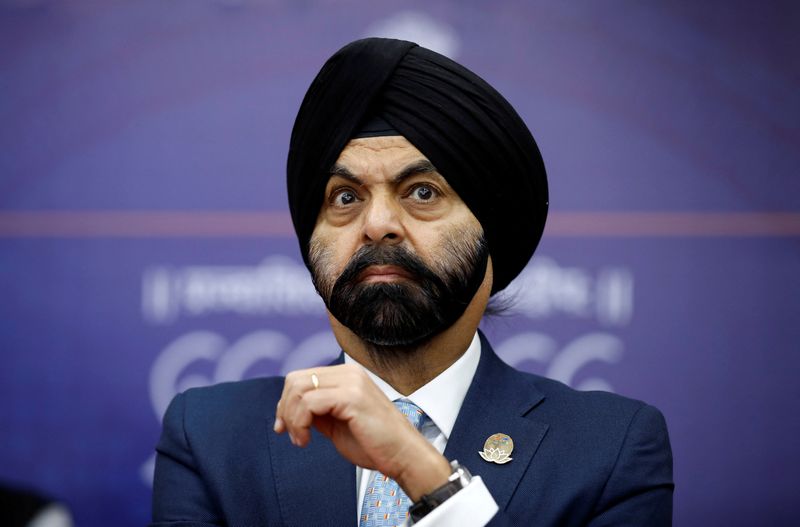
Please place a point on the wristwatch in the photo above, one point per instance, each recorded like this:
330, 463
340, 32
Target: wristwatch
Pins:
459, 478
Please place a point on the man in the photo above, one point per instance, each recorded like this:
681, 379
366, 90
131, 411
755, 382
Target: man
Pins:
416, 192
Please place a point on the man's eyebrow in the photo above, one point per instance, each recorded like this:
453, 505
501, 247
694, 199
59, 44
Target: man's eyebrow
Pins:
342, 171
423, 166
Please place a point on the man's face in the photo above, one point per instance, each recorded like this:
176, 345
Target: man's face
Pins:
396, 254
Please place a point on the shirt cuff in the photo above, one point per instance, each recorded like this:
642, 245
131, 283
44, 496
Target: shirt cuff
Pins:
472, 506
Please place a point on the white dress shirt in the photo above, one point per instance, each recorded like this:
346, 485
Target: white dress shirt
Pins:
441, 400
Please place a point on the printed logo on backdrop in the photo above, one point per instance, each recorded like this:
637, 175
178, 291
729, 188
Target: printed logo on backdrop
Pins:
280, 286
546, 289
276, 286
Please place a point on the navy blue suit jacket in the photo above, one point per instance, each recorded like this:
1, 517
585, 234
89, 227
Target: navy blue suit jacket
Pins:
580, 458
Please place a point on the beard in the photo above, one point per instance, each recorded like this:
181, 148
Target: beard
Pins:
394, 318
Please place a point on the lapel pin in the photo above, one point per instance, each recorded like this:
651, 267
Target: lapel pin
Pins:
497, 448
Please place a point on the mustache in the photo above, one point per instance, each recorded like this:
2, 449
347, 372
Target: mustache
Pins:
384, 313
395, 255
398, 315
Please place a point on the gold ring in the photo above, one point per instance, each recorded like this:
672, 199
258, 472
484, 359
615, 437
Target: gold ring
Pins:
315, 381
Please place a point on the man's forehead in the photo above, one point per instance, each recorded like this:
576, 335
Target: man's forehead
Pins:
390, 155
396, 144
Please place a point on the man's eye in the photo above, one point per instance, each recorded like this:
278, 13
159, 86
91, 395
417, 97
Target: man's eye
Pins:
423, 193
343, 198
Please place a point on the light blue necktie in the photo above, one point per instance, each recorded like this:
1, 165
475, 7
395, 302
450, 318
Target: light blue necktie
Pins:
385, 504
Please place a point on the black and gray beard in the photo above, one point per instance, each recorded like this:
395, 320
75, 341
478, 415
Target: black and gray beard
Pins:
398, 317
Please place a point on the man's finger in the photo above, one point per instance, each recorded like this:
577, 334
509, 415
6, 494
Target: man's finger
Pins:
299, 384
312, 403
292, 389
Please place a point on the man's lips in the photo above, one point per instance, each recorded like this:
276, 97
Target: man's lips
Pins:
383, 273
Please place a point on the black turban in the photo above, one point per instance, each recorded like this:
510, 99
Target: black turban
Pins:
467, 130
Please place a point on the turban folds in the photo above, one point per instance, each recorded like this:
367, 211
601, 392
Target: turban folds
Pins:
465, 128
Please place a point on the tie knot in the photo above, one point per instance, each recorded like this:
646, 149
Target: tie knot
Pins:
412, 412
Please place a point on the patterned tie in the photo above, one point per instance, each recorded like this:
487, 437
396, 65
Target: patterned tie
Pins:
385, 504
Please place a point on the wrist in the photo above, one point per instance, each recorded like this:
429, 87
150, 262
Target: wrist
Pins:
427, 471
459, 480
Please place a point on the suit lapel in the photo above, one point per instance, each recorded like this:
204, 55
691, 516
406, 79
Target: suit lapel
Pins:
315, 485
498, 400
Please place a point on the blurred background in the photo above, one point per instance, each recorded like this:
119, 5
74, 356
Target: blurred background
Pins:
146, 246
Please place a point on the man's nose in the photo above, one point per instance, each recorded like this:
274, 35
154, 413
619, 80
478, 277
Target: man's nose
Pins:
382, 221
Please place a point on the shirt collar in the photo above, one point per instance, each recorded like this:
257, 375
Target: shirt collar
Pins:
442, 397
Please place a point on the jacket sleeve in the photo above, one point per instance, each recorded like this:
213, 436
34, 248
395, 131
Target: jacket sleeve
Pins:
639, 490
180, 497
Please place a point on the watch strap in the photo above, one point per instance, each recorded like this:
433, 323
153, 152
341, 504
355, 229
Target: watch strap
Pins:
458, 479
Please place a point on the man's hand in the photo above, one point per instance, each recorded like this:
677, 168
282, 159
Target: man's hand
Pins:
363, 424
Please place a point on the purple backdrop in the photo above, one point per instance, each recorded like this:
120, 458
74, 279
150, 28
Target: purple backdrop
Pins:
145, 244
